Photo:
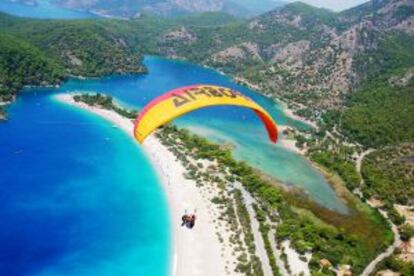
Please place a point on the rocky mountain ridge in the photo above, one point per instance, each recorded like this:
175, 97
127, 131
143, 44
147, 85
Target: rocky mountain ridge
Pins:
307, 56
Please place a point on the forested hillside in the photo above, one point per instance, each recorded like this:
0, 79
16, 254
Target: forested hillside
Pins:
85, 47
22, 63
44, 52
383, 109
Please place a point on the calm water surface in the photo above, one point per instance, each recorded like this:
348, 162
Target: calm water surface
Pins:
78, 196
43, 9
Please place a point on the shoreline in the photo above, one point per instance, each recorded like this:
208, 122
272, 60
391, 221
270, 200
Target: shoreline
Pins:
290, 144
290, 113
209, 257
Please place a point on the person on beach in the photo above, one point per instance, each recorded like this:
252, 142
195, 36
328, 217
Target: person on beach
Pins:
188, 220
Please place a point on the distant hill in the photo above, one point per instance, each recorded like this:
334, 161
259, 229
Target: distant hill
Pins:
22, 63
309, 56
132, 8
44, 52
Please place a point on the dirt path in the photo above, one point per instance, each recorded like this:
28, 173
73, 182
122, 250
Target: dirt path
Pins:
360, 159
277, 253
258, 239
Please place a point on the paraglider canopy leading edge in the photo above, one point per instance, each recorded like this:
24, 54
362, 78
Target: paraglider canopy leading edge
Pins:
178, 102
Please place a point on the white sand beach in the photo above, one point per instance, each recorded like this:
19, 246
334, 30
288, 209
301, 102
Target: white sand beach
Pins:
290, 113
289, 144
196, 251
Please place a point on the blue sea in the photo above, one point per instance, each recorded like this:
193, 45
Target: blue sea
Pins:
44, 9
79, 197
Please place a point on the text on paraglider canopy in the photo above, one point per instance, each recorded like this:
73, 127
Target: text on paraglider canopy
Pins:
194, 94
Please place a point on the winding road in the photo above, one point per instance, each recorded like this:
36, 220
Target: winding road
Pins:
397, 239
359, 162
397, 242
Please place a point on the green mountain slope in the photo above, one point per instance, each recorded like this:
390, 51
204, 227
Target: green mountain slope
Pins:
24, 64
44, 52
84, 47
391, 167
381, 113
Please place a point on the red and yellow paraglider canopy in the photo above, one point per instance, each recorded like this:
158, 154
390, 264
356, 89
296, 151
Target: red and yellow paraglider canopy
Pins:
183, 100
